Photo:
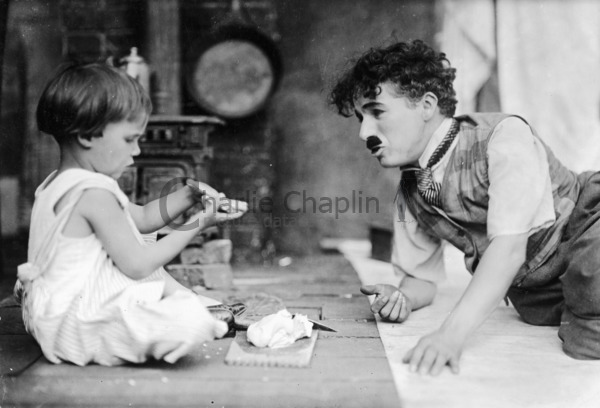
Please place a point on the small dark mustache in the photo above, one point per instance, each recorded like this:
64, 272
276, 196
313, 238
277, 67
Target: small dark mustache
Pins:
373, 141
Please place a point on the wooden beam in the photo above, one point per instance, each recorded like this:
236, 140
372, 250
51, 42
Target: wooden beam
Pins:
164, 55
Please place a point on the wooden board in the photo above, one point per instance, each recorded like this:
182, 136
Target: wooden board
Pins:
203, 379
242, 352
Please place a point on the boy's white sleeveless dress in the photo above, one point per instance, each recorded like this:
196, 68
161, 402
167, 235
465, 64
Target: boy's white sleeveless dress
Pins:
81, 308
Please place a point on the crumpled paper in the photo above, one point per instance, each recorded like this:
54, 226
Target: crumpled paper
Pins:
280, 329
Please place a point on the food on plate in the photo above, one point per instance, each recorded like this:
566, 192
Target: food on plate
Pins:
280, 329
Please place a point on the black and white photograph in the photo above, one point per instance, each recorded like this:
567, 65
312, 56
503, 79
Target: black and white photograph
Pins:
300, 203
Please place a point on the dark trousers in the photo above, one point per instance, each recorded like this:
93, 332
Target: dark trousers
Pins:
572, 299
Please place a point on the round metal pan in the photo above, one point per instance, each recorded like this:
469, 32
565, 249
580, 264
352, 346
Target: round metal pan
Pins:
233, 71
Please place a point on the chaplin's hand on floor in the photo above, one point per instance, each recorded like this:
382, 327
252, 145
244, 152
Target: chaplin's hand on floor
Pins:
391, 304
433, 352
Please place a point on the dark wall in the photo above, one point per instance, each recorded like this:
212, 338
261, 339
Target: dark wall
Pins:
302, 147
317, 152
32, 52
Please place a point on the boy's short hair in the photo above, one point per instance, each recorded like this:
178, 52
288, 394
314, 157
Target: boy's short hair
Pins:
83, 99
413, 67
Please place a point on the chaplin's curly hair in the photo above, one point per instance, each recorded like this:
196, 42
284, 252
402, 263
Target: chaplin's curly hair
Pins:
413, 67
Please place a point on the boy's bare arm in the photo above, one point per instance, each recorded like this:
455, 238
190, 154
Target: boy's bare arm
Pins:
494, 275
158, 213
109, 223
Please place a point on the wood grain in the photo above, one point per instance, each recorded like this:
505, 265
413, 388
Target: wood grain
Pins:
347, 369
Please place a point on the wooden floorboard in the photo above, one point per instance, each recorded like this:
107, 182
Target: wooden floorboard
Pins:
191, 392
348, 368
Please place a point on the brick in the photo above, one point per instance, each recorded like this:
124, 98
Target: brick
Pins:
195, 275
179, 273
217, 276
212, 276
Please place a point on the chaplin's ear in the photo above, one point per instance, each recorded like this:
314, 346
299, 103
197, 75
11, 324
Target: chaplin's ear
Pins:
85, 142
430, 104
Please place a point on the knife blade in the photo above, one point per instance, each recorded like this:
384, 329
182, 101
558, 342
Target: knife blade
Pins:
320, 326
240, 323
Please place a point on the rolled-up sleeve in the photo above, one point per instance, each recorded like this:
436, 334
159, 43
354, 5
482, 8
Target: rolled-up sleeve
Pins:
415, 253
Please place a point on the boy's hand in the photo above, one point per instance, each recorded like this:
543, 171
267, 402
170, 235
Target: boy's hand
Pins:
433, 352
390, 303
210, 215
200, 191
205, 194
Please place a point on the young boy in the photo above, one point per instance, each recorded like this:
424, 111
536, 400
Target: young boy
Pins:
93, 290
486, 183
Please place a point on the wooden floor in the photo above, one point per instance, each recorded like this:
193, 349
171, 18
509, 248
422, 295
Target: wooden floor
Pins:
348, 368
508, 363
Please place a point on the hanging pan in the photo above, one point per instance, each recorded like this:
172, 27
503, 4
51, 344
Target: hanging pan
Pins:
234, 71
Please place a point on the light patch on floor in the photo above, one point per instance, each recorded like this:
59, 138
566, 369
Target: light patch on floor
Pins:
507, 363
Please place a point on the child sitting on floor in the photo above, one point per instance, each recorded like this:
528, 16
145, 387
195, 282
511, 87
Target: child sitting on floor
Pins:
93, 291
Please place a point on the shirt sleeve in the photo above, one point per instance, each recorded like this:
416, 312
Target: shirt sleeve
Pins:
520, 192
415, 253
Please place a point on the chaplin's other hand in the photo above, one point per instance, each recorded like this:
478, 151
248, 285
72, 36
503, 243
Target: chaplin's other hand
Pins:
391, 304
433, 352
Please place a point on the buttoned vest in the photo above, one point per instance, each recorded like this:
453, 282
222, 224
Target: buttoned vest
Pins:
462, 218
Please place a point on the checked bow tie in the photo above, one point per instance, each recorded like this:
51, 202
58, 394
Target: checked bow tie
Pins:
429, 189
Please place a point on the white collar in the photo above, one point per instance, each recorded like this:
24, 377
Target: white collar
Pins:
435, 141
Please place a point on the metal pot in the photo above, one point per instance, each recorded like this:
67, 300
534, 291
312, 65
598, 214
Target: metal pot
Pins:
234, 71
